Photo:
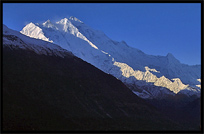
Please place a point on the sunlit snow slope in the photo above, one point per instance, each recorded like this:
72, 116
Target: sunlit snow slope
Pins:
16, 40
148, 76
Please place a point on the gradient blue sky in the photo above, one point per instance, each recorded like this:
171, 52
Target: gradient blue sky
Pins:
154, 28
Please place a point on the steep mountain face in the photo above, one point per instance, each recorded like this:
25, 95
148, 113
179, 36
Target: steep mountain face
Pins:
14, 39
47, 88
148, 76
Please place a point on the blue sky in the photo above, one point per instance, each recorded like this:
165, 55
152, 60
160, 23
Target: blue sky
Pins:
154, 28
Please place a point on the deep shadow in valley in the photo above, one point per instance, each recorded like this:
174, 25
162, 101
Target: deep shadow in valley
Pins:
53, 93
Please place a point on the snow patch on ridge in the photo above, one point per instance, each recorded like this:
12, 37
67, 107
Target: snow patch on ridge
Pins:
199, 85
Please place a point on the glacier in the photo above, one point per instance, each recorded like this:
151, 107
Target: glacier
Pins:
148, 76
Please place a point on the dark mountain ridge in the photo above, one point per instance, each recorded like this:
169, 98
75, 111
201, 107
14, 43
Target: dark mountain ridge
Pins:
53, 93
44, 89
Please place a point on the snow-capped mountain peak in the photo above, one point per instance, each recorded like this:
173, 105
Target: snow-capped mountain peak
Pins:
66, 26
48, 24
63, 21
75, 19
34, 31
31, 24
130, 65
16, 40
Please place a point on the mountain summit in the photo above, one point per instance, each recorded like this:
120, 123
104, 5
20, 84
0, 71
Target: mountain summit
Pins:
75, 19
120, 60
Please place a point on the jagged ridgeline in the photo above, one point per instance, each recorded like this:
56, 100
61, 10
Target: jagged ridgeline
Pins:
67, 76
48, 88
139, 71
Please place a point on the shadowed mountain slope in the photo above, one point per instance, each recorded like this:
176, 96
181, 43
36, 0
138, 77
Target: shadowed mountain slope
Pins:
54, 93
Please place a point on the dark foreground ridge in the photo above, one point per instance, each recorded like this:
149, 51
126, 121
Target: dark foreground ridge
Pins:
53, 93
